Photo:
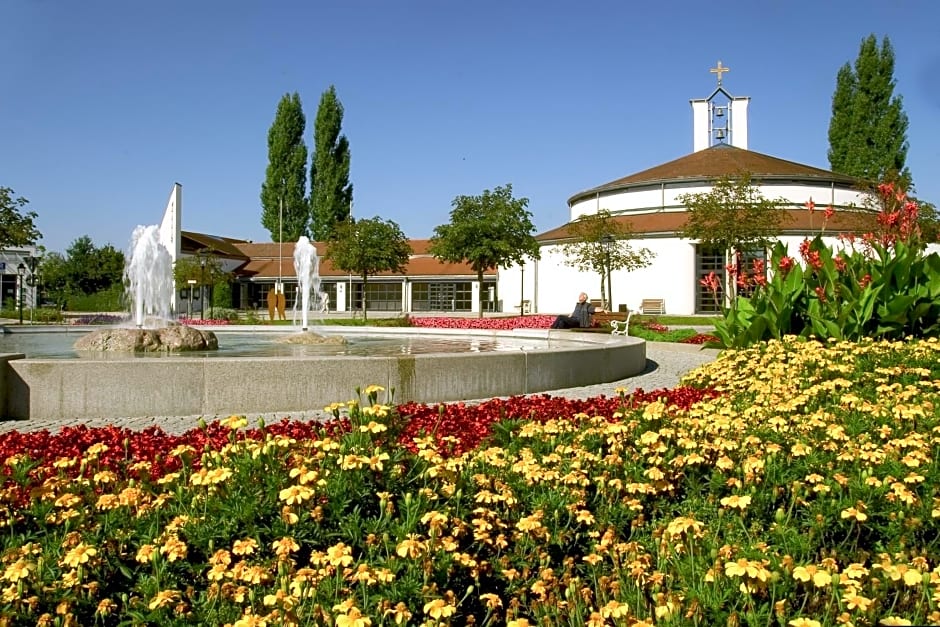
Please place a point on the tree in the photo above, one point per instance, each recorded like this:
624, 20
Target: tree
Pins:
85, 269
330, 189
733, 216
286, 176
208, 274
17, 226
868, 127
486, 231
368, 246
601, 244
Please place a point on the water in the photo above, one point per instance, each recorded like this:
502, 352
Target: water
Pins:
149, 274
307, 267
58, 345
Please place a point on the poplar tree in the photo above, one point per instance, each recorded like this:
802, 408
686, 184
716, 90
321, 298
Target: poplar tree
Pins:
330, 189
286, 177
868, 128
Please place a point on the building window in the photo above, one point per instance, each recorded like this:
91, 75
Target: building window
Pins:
379, 296
708, 260
428, 296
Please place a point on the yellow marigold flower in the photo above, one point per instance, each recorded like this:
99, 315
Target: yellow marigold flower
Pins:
234, 422
492, 601
174, 549
288, 515
585, 516
373, 389
107, 501
339, 555
373, 427
145, 553
79, 555
855, 602
68, 500
894, 620
411, 547
820, 578
352, 618
163, 599
736, 502
250, 620
855, 570
614, 609
804, 622
375, 462
106, 607
438, 609
518, 622
244, 547
851, 512
400, 613
104, 476
295, 494
284, 547
20, 569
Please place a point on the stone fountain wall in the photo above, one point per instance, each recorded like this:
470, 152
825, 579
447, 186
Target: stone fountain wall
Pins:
54, 388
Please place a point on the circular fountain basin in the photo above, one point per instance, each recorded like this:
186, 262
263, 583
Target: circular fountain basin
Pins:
258, 375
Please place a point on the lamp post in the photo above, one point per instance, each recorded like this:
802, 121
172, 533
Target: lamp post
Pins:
608, 241
33, 280
202, 287
21, 274
192, 286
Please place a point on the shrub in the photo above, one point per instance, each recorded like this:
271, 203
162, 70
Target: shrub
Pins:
881, 285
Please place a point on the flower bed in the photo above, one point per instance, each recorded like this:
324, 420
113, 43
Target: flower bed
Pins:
496, 324
793, 483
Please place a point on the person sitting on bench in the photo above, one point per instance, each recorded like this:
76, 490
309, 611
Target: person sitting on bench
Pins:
581, 317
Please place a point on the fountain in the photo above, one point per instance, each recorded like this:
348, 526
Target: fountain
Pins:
149, 276
307, 268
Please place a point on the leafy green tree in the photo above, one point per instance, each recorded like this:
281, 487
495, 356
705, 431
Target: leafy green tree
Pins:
330, 189
206, 275
84, 270
17, 226
733, 217
486, 231
283, 207
601, 244
368, 246
868, 127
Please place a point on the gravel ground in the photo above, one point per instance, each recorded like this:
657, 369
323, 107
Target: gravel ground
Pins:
666, 363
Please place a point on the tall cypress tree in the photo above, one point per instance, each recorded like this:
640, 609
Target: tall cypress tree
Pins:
330, 189
868, 128
286, 177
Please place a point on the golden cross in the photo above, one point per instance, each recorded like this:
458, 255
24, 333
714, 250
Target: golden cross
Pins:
719, 71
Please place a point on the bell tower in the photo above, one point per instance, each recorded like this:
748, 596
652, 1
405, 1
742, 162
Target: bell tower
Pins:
719, 119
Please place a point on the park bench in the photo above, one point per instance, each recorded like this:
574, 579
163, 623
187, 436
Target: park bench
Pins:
653, 306
619, 321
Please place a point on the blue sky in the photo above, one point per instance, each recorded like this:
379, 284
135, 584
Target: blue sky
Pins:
106, 103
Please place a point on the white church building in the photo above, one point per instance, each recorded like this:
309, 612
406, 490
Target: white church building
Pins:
650, 202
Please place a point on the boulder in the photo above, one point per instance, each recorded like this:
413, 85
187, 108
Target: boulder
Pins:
173, 338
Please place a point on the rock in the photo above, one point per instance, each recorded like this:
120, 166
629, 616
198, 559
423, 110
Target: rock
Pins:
309, 337
173, 338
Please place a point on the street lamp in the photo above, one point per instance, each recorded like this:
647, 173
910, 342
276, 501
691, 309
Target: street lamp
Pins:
202, 287
21, 273
192, 286
33, 281
608, 241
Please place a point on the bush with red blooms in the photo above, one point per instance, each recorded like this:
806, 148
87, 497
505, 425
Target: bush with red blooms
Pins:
495, 324
204, 322
702, 338
149, 454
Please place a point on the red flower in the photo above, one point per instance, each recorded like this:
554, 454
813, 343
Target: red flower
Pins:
829, 211
786, 264
711, 282
821, 293
810, 205
840, 263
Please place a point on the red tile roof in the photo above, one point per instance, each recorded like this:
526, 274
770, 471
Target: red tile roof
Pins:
797, 222
263, 262
717, 162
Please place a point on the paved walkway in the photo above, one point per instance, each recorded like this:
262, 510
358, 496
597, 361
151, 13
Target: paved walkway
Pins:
666, 363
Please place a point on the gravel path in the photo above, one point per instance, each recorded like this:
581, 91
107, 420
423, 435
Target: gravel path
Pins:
666, 363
